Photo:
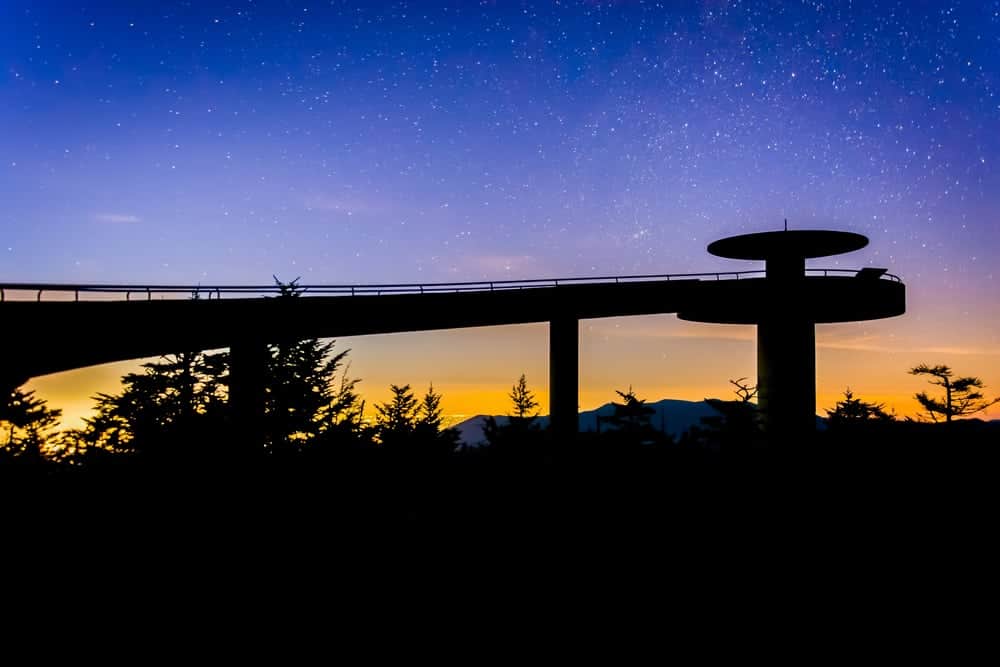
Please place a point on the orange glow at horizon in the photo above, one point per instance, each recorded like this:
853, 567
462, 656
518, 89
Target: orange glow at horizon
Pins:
658, 356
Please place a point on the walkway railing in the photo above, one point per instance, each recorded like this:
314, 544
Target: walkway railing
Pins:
95, 292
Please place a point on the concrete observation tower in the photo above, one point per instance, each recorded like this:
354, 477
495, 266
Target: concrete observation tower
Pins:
786, 304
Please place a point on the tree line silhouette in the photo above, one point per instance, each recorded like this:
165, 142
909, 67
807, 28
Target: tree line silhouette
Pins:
177, 408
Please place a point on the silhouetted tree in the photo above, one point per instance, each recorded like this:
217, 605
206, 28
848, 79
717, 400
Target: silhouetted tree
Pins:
631, 422
428, 433
304, 402
342, 419
406, 425
961, 395
179, 404
853, 411
299, 393
737, 421
396, 419
173, 406
520, 428
632, 415
28, 421
71, 446
429, 412
523, 400
745, 392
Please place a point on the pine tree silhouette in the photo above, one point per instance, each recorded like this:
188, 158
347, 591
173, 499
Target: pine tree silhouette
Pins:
852, 412
305, 405
396, 419
172, 409
406, 425
521, 430
962, 396
632, 415
28, 421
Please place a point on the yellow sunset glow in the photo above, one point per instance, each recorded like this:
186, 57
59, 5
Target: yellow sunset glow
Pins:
658, 356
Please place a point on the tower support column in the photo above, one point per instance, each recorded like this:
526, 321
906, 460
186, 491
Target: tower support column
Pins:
564, 376
786, 377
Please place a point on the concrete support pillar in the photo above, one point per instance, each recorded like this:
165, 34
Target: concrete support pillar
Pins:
564, 376
247, 369
786, 377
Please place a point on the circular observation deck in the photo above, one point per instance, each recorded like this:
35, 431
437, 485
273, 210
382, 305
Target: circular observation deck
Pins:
802, 244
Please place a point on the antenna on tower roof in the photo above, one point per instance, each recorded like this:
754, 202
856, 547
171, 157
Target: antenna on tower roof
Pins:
786, 224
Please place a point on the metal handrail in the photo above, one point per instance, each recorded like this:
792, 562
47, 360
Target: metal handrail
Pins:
147, 291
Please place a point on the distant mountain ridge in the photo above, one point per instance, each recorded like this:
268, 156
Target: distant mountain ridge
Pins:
671, 416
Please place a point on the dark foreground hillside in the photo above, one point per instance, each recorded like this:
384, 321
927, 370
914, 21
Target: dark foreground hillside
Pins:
555, 485
906, 514
589, 483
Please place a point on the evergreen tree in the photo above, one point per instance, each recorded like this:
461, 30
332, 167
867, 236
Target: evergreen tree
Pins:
305, 405
174, 407
342, 419
28, 421
632, 415
410, 426
962, 396
72, 446
179, 404
523, 401
520, 429
299, 392
428, 433
736, 422
396, 419
429, 413
853, 411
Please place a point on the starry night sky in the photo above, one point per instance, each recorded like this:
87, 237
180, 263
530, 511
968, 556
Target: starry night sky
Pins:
351, 142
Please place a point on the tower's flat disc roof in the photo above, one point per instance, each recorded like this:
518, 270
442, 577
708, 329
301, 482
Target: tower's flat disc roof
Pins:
799, 243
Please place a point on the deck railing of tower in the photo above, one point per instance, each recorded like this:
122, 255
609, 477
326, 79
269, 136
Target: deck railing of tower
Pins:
104, 292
